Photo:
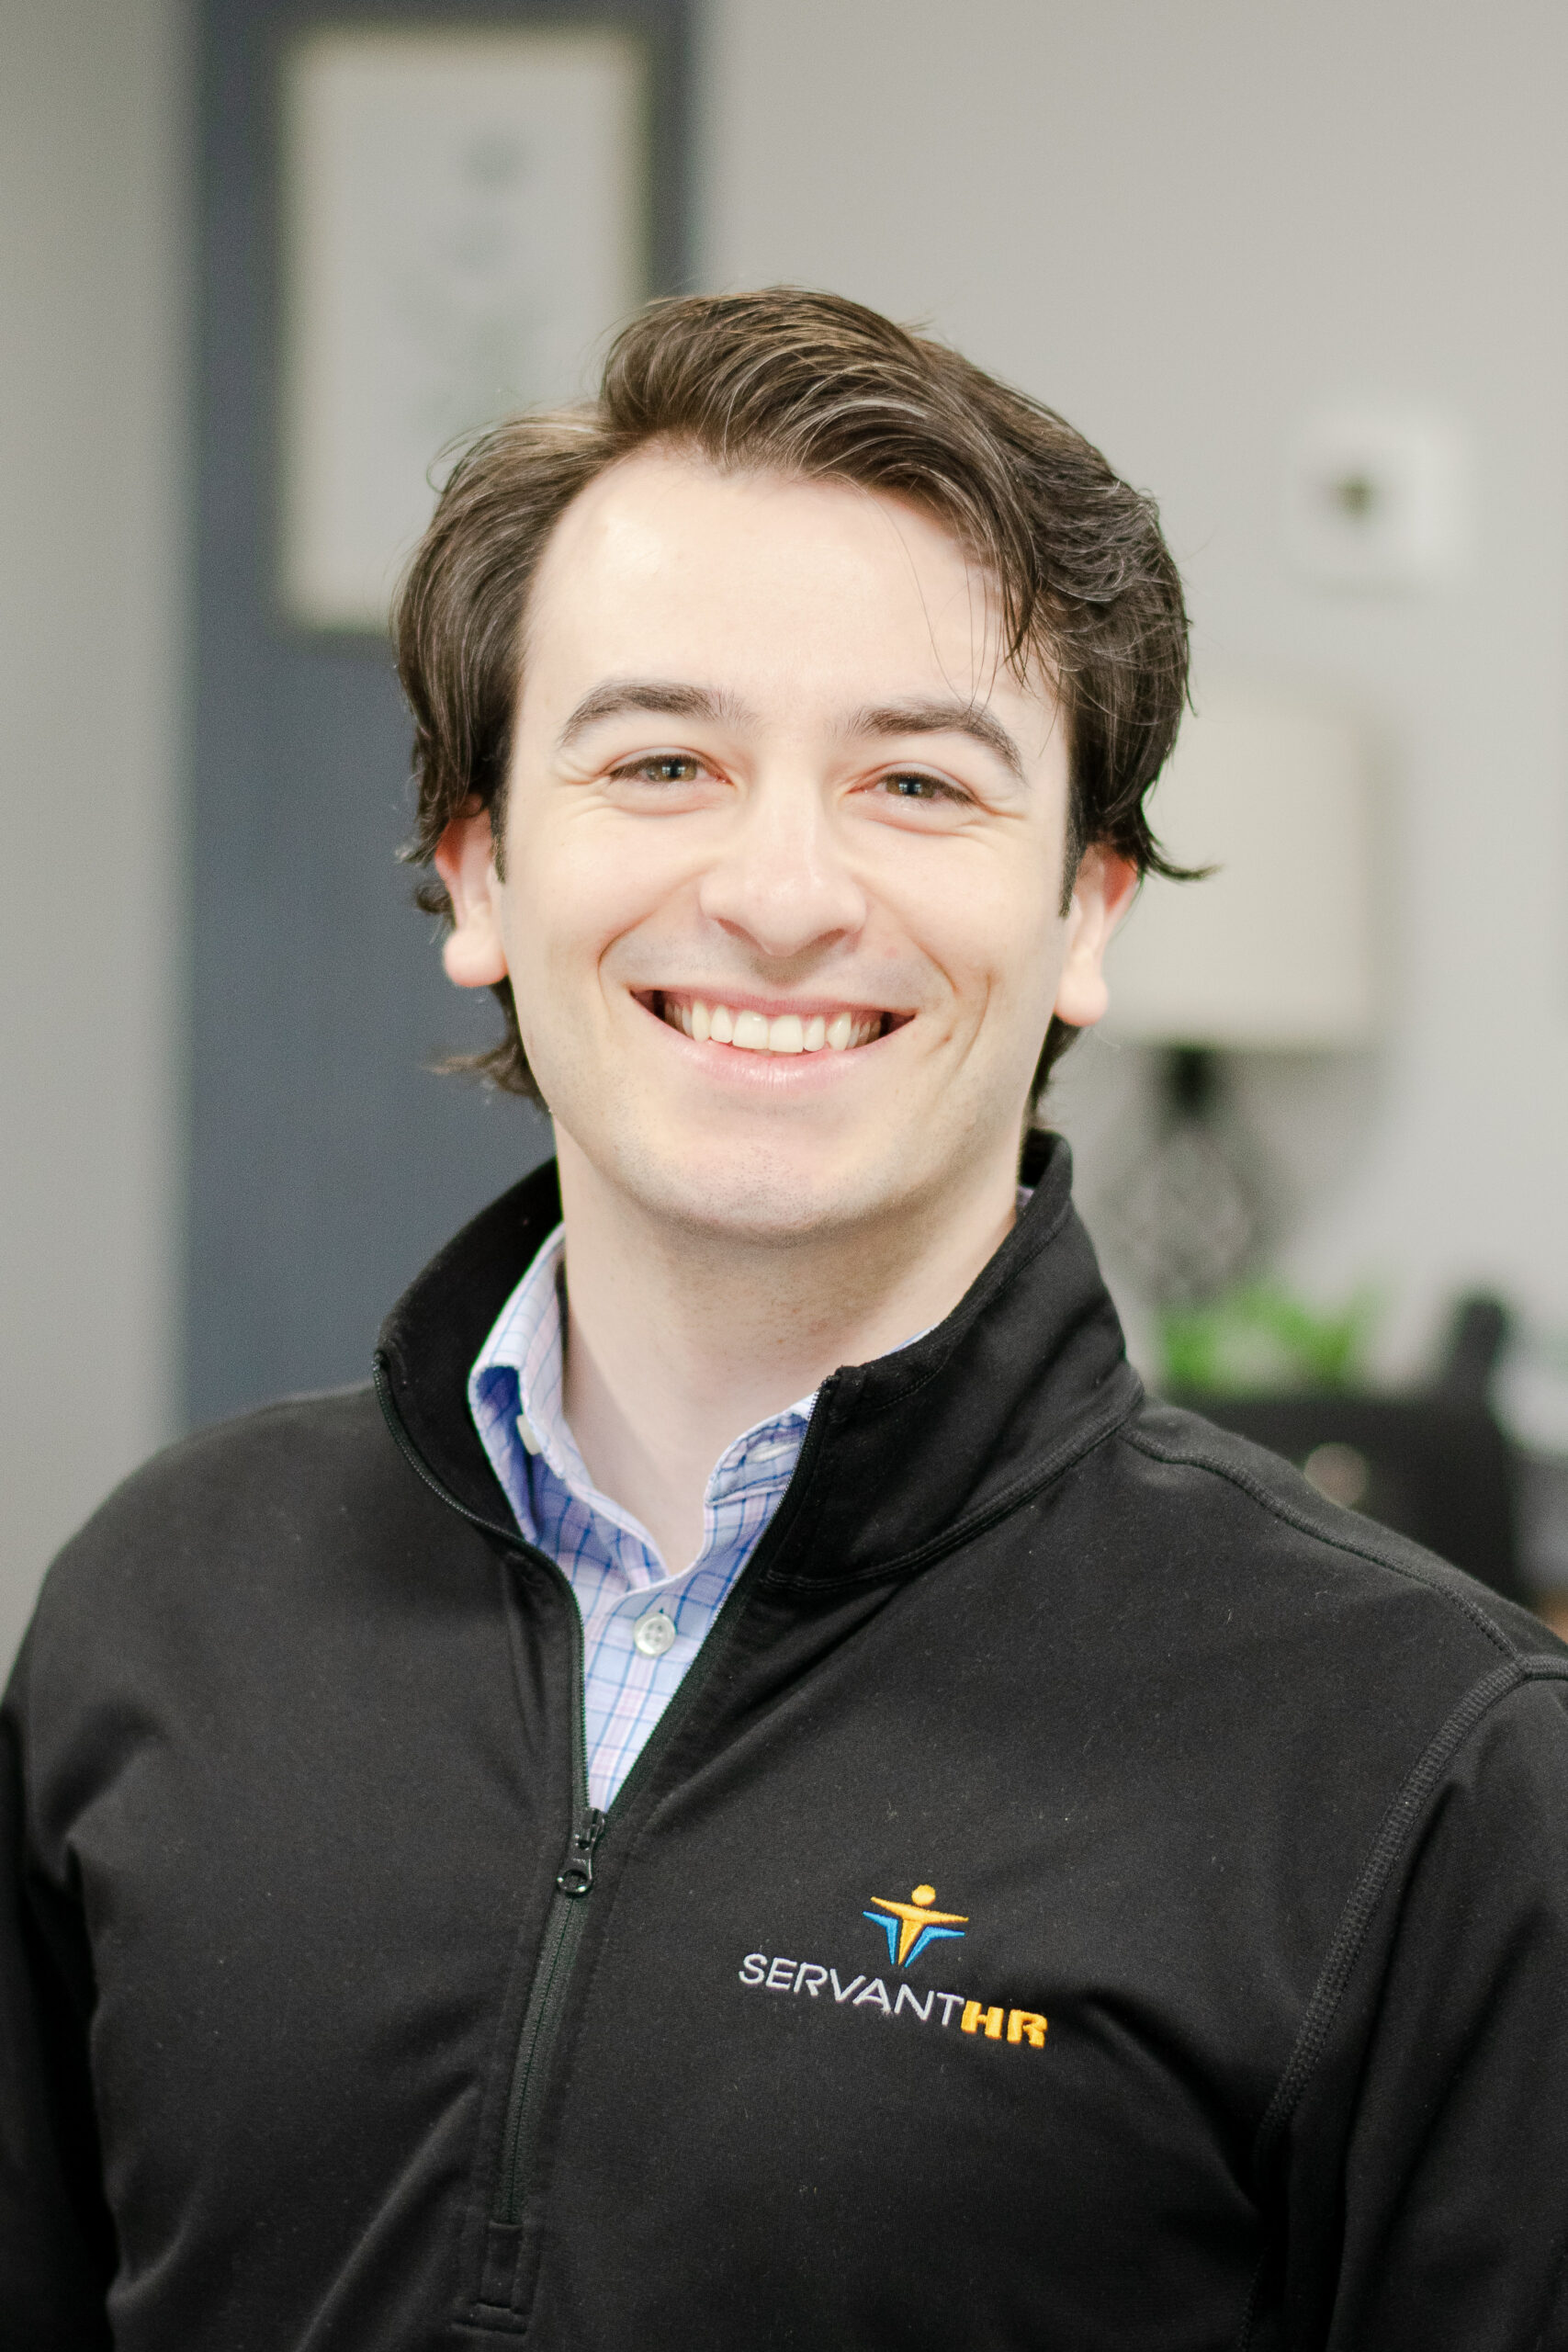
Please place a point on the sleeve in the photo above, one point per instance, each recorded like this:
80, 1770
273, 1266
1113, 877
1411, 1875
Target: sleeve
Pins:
56, 2238
1426, 2161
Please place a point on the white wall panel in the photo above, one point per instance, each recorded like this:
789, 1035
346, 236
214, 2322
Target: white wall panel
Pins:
92, 410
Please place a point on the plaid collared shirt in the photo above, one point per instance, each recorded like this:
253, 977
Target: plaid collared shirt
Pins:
610, 1559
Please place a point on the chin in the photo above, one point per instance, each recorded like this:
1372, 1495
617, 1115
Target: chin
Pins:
761, 1195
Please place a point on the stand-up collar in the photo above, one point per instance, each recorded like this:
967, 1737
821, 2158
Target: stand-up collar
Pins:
906, 1456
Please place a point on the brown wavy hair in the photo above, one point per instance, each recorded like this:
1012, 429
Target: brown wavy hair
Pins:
821, 388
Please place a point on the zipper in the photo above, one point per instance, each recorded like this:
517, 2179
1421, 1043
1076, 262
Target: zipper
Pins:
574, 1880
558, 1951
568, 1912
576, 1877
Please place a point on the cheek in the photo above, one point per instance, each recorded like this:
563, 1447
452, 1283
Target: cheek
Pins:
574, 887
996, 935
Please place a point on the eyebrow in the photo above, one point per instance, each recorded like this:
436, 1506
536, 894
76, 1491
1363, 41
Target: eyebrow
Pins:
661, 696
941, 718
666, 699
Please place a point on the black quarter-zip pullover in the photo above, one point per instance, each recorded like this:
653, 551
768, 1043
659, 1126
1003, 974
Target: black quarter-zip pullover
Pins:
1087, 1894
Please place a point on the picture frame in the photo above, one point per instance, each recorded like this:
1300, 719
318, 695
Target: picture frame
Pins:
466, 218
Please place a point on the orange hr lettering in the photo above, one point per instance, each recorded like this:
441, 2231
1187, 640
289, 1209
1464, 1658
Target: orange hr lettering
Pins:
988, 2020
1023, 2024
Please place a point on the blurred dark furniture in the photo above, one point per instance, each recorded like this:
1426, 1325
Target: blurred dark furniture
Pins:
1432, 1463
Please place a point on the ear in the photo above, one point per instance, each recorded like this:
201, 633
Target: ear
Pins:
465, 859
1102, 892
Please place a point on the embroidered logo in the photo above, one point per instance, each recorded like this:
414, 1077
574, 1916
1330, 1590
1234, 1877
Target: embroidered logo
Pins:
911, 1929
910, 1926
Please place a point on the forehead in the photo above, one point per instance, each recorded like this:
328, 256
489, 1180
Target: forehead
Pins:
780, 587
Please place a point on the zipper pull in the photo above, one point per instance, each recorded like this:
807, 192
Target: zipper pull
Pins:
577, 1876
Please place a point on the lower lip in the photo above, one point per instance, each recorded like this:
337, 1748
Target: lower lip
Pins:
764, 1072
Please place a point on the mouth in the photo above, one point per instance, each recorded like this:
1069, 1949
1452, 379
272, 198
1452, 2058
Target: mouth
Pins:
755, 1029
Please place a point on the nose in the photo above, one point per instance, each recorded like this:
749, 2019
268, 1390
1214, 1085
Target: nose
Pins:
780, 881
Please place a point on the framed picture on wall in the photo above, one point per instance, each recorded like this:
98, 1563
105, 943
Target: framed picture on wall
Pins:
466, 217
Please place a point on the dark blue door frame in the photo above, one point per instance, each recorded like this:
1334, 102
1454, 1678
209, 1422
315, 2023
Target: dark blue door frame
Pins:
327, 1160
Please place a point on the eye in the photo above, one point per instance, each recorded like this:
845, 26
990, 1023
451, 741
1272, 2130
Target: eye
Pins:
914, 783
660, 767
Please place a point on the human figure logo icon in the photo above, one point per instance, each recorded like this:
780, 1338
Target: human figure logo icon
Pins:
910, 1926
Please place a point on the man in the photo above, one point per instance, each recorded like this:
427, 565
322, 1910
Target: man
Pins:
758, 1794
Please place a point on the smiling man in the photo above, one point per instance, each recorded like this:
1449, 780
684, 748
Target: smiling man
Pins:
755, 1792
779, 903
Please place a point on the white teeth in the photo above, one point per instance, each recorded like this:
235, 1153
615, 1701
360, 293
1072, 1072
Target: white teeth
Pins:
786, 1033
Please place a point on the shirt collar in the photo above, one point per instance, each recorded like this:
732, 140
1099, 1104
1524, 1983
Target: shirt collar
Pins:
516, 1397
515, 1394
904, 1457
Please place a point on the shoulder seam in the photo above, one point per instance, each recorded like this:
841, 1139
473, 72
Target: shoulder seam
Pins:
1304, 1526
1393, 1833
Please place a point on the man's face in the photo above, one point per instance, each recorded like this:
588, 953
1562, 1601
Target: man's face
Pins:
783, 854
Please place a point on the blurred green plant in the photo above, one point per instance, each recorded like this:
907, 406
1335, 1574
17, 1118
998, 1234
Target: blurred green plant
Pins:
1258, 1337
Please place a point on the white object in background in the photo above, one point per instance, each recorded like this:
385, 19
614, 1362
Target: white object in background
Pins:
465, 216
1276, 949
1374, 499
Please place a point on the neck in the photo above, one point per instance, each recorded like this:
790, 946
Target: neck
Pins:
679, 1339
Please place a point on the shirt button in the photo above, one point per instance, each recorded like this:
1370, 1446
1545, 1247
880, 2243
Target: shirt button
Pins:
654, 1633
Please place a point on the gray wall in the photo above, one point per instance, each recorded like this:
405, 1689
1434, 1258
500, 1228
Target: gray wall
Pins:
92, 395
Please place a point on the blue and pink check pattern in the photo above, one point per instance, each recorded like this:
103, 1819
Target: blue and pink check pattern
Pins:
610, 1560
